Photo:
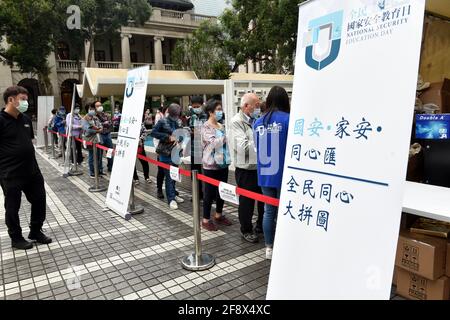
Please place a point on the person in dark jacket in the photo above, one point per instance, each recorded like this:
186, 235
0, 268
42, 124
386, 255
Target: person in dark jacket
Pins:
19, 170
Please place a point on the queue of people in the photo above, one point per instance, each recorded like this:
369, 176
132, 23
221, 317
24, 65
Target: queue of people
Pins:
258, 133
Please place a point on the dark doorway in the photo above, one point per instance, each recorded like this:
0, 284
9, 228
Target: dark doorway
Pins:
66, 93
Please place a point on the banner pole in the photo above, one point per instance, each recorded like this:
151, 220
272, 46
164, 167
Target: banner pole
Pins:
197, 261
97, 187
133, 209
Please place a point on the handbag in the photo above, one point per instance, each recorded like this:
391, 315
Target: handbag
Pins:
165, 149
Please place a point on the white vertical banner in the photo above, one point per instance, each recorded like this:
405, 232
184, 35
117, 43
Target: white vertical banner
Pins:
45, 107
352, 109
118, 195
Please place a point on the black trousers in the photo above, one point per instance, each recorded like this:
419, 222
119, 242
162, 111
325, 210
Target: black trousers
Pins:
248, 179
34, 190
212, 192
160, 178
145, 168
79, 152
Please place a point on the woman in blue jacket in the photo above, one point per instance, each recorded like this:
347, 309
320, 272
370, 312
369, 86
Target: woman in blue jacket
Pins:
271, 132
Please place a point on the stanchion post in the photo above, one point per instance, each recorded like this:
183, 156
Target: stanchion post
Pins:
97, 187
46, 139
133, 209
74, 172
197, 261
53, 147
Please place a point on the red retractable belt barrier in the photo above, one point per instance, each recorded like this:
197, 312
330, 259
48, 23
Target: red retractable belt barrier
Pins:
242, 192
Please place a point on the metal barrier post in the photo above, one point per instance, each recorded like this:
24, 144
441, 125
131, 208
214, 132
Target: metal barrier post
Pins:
53, 156
62, 147
74, 172
197, 261
133, 209
97, 187
46, 140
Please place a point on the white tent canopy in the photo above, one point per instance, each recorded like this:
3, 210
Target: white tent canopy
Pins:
111, 82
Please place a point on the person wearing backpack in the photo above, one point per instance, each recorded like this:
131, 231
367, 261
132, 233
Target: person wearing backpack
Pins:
215, 160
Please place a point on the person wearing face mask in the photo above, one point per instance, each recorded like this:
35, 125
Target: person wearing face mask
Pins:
76, 133
196, 120
164, 132
60, 126
244, 159
105, 135
19, 170
215, 164
116, 119
92, 128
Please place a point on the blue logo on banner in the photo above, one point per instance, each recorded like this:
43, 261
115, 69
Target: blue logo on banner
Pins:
330, 24
434, 127
130, 87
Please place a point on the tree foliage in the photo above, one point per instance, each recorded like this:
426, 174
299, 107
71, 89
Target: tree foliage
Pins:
260, 30
33, 27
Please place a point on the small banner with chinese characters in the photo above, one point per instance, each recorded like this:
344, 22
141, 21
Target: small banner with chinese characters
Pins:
119, 189
347, 151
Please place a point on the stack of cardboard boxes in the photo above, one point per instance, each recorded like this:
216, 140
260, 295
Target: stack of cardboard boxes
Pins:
422, 267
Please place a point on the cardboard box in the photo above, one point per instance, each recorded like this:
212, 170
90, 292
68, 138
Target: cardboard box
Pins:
423, 255
448, 260
439, 94
412, 286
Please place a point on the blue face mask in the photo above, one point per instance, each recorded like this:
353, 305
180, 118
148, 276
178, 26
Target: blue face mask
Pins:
256, 114
91, 113
197, 110
219, 115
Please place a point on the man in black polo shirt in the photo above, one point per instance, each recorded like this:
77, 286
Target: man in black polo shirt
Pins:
19, 171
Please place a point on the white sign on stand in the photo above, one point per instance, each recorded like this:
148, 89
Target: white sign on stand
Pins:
118, 195
45, 107
344, 177
228, 193
175, 173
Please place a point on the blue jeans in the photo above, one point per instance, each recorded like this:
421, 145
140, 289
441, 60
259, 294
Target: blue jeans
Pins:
270, 216
91, 161
170, 187
107, 142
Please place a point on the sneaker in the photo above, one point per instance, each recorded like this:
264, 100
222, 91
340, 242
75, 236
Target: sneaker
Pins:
160, 194
92, 176
250, 237
148, 181
209, 226
223, 221
136, 182
173, 205
39, 237
179, 200
269, 252
21, 244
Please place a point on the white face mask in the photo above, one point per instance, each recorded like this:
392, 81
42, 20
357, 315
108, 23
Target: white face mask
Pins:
100, 109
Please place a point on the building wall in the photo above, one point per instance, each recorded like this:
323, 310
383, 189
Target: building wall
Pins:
5, 80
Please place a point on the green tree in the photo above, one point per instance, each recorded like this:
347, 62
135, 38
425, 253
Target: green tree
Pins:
104, 18
200, 53
260, 30
28, 26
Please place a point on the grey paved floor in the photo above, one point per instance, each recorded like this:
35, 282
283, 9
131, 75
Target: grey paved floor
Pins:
98, 255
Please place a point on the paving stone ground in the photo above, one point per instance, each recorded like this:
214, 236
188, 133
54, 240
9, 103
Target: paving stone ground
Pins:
98, 255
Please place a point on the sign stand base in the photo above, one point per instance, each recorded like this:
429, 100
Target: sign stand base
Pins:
203, 262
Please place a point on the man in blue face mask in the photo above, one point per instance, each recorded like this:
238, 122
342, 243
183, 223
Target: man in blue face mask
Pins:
19, 170
244, 159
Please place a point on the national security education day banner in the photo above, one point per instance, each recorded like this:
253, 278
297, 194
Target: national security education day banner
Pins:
119, 189
352, 110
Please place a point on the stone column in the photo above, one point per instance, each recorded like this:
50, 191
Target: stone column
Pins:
158, 53
126, 56
51, 60
251, 68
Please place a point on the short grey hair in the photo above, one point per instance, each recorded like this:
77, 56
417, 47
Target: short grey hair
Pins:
247, 98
